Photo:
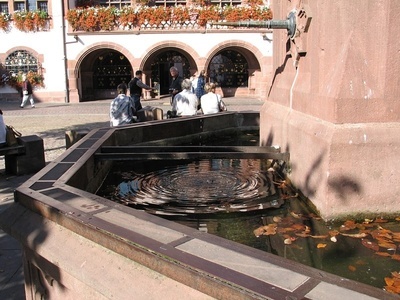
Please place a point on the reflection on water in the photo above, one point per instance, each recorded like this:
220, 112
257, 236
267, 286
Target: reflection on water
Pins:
195, 187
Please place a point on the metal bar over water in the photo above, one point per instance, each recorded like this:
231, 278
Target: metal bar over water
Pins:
188, 152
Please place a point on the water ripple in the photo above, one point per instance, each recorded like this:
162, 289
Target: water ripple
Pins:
204, 186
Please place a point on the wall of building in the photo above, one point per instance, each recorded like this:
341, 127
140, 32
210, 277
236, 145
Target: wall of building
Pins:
336, 111
63, 50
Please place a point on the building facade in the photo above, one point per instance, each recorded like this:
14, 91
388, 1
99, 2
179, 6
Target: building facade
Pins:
82, 51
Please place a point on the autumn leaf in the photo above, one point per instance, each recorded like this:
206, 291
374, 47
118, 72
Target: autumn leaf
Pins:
396, 274
319, 236
396, 257
294, 215
387, 245
382, 253
355, 235
352, 268
380, 220
370, 245
334, 233
348, 225
320, 245
287, 241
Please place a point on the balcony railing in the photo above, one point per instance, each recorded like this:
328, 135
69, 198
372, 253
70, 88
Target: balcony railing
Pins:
93, 19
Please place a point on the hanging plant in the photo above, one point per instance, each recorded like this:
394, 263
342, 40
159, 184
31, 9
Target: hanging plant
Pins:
30, 20
127, 17
180, 14
106, 17
209, 14
5, 21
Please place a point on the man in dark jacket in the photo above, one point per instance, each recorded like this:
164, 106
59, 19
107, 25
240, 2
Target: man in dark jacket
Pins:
135, 89
176, 84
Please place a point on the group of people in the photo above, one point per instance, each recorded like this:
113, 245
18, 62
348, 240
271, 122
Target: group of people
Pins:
188, 96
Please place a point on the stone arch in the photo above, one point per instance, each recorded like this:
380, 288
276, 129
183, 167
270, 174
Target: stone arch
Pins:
40, 57
161, 74
253, 57
80, 90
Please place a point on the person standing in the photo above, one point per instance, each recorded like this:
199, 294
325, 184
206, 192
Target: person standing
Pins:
122, 108
201, 81
135, 89
27, 92
185, 102
211, 102
176, 83
3, 131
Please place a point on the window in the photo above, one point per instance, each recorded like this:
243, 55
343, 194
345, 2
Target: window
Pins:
169, 2
226, 2
31, 5
4, 7
229, 69
42, 5
19, 6
116, 3
21, 61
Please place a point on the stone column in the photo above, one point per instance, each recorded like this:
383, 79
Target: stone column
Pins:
337, 109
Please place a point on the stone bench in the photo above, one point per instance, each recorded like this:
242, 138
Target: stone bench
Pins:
25, 158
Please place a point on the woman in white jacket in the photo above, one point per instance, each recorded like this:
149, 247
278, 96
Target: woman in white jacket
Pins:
211, 102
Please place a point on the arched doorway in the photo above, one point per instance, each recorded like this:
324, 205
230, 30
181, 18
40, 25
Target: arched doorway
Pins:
162, 62
234, 68
229, 69
101, 72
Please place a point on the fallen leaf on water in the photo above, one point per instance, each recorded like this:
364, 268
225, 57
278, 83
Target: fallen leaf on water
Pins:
396, 274
348, 225
294, 215
265, 230
382, 253
355, 235
370, 245
396, 257
352, 268
397, 219
319, 236
380, 220
389, 281
320, 245
302, 234
360, 262
334, 233
287, 241
386, 245
277, 219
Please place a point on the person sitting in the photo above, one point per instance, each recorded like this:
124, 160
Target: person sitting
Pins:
211, 102
185, 103
122, 108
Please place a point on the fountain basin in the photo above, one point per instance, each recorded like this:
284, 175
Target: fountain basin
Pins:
77, 244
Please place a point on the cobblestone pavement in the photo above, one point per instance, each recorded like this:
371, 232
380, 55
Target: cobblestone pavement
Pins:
50, 121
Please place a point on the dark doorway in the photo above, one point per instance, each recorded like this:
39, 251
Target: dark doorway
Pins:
101, 72
161, 65
229, 69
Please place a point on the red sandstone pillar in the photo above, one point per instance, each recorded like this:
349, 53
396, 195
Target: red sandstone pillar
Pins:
338, 111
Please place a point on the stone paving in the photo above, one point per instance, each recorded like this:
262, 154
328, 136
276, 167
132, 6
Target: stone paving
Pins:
50, 121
